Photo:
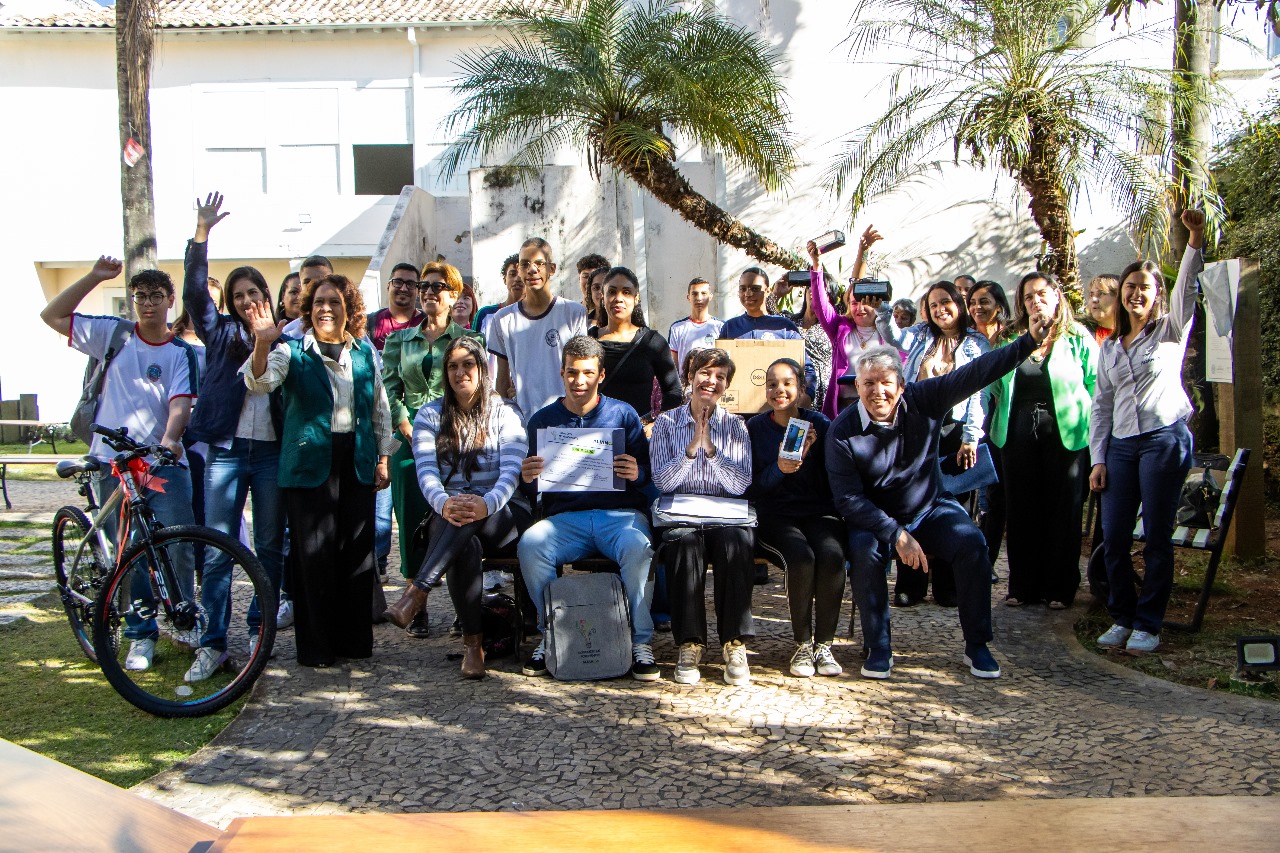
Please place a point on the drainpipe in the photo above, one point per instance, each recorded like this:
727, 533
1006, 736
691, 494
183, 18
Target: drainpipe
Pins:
414, 85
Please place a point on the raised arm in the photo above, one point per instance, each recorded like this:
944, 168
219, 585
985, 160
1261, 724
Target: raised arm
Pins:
195, 284
57, 314
868, 239
1182, 300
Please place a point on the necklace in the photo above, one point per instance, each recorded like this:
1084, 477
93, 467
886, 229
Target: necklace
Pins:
863, 340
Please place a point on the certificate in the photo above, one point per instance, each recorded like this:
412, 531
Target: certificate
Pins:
579, 460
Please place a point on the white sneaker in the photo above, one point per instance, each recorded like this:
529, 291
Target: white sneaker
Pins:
492, 580
687, 671
284, 616
736, 670
253, 645
207, 662
802, 661
1141, 642
825, 660
140, 654
1114, 637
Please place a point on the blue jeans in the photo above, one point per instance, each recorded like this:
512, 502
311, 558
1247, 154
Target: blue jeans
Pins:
382, 526
621, 535
943, 530
1146, 470
171, 507
231, 475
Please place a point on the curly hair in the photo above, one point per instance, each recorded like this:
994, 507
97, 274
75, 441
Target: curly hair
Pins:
352, 302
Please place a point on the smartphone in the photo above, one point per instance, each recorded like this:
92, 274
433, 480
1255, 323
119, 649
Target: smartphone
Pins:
798, 278
870, 287
793, 439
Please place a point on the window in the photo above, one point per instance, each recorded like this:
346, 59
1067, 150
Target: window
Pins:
382, 169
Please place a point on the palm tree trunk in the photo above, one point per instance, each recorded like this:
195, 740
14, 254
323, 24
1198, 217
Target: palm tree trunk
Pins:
671, 188
1051, 211
135, 37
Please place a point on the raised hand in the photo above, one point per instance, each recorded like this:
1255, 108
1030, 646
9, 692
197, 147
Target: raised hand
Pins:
815, 258
107, 268
1194, 220
263, 324
869, 238
208, 215
1039, 325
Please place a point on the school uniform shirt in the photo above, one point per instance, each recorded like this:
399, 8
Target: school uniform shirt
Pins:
532, 347
141, 380
685, 336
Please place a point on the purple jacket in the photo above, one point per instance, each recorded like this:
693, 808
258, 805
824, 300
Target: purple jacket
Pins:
838, 328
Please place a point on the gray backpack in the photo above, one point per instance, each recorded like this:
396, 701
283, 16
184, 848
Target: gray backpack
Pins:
588, 634
95, 375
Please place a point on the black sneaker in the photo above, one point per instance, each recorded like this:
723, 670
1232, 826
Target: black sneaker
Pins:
420, 627
536, 665
643, 668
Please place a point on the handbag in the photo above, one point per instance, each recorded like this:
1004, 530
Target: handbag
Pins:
959, 481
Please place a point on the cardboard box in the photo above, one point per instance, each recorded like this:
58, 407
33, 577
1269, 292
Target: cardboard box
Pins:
752, 358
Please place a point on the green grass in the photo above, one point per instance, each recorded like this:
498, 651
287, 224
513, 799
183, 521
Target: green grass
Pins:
57, 703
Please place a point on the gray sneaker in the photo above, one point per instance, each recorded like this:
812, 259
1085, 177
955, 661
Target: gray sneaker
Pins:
825, 661
207, 662
1141, 642
1114, 637
687, 671
736, 670
802, 661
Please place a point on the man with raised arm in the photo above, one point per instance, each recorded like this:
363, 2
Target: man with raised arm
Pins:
882, 459
149, 384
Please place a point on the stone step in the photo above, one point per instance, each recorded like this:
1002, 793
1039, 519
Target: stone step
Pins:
10, 574
25, 586
8, 561
21, 532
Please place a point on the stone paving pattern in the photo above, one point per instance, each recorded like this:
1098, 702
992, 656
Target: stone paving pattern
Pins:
402, 732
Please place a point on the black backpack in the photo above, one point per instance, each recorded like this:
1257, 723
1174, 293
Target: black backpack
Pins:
500, 624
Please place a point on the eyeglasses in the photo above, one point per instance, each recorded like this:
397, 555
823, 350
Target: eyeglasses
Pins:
155, 297
527, 265
402, 283
433, 286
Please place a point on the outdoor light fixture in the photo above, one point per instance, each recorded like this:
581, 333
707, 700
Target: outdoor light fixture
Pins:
1257, 654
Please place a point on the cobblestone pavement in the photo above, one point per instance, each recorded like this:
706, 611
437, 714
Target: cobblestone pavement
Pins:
403, 732
26, 570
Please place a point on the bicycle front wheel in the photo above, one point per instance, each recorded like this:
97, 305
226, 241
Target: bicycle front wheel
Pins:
80, 574
180, 643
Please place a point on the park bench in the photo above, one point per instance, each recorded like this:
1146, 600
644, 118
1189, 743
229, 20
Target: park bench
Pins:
7, 459
1212, 538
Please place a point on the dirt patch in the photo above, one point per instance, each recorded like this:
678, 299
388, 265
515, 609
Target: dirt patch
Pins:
1245, 601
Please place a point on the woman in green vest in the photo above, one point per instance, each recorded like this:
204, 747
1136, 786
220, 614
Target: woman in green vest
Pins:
413, 370
1041, 424
333, 457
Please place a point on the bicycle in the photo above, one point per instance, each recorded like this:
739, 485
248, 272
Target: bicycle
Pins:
151, 587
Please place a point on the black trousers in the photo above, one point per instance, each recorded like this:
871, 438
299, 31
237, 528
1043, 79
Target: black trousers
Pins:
331, 565
458, 551
731, 552
1044, 491
812, 550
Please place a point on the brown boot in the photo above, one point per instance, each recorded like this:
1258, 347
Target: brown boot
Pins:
410, 605
473, 655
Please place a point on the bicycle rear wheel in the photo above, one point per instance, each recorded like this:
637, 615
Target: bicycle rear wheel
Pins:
78, 582
180, 679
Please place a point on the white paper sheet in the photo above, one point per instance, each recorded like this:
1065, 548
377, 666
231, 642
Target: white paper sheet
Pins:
579, 460
704, 506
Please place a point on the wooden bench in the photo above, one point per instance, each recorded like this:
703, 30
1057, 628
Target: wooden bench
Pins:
50, 806
1076, 825
8, 459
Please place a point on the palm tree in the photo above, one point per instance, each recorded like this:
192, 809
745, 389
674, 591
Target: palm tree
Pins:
135, 39
617, 80
1005, 83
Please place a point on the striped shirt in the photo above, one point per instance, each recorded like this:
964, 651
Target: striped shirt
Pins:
497, 464
726, 474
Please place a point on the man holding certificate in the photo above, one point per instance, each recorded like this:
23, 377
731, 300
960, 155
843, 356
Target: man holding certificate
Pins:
590, 462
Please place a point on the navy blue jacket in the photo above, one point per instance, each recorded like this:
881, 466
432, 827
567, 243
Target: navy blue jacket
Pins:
222, 387
883, 478
608, 414
804, 494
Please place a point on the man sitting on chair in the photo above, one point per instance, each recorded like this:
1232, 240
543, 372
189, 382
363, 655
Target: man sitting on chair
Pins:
582, 524
882, 458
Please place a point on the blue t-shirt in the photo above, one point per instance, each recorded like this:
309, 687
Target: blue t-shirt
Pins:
766, 327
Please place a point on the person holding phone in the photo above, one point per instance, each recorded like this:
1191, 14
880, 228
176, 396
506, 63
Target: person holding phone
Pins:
797, 522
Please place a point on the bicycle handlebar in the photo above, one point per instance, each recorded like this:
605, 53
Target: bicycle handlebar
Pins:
119, 441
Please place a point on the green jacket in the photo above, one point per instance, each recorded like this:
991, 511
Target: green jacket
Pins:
413, 370
1073, 369
306, 450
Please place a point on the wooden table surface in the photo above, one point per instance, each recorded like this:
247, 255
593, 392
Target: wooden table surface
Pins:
45, 805
1233, 824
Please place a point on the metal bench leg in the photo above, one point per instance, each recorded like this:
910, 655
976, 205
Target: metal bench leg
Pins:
4, 485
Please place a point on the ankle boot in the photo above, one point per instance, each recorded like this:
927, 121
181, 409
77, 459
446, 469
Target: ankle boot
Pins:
410, 605
473, 656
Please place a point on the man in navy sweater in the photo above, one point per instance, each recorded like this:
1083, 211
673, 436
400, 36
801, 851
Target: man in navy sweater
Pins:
882, 458
581, 524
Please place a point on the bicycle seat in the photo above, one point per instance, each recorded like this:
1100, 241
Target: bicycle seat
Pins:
71, 467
